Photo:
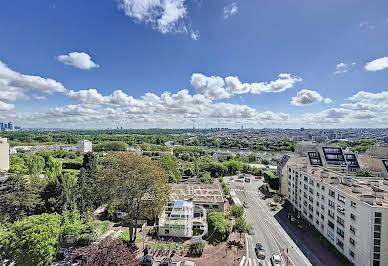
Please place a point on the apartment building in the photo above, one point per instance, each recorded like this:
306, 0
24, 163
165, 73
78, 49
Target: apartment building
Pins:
352, 214
84, 146
4, 154
187, 209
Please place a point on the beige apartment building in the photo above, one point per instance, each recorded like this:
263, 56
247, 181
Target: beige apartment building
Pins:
4, 154
352, 214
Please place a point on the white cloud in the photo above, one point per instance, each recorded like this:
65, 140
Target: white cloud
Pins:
343, 67
367, 25
230, 10
284, 82
39, 97
194, 35
306, 97
215, 87
228, 110
80, 60
163, 15
6, 106
14, 85
212, 87
327, 100
377, 64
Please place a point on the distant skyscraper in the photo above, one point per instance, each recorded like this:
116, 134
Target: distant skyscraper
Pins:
242, 127
10, 126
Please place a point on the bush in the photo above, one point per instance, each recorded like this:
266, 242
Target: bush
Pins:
152, 232
206, 178
196, 248
236, 211
75, 165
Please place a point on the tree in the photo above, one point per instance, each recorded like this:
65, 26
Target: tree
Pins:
170, 164
237, 211
21, 198
196, 248
18, 166
107, 252
219, 227
206, 178
33, 240
252, 158
69, 183
87, 185
137, 183
240, 225
53, 169
35, 164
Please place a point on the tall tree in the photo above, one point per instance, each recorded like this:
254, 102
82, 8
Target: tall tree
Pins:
138, 183
87, 184
170, 164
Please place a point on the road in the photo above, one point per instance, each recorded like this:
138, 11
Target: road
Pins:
266, 228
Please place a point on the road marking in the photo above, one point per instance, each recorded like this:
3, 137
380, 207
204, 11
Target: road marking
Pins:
242, 261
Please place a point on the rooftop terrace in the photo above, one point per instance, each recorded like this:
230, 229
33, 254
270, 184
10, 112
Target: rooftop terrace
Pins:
197, 192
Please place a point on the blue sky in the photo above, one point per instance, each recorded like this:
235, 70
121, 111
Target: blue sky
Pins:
97, 64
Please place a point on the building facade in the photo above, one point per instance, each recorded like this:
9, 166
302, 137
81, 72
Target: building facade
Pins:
351, 214
4, 154
84, 146
187, 209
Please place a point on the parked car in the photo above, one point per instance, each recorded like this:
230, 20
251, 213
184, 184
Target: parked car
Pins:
245, 204
147, 260
260, 251
247, 179
185, 263
276, 260
166, 262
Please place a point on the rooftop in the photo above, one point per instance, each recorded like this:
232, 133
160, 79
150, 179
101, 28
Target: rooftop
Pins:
197, 192
369, 190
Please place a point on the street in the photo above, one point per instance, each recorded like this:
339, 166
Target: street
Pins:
266, 229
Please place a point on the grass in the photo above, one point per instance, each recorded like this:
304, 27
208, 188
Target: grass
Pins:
125, 237
102, 227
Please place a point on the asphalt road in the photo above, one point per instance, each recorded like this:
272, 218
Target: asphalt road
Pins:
266, 228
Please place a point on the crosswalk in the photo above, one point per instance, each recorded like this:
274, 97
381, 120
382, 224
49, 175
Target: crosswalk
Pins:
253, 262
247, 191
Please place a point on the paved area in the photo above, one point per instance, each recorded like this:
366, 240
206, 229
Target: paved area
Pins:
266, 228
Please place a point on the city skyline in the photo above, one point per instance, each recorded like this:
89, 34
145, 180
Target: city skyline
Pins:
194, 62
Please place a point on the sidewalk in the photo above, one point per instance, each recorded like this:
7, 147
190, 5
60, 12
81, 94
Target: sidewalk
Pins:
316, 253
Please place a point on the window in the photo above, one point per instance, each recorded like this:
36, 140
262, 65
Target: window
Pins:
376, 242
305, 178
376, 256
341, 210
331, 204
377, 235
352, 229
376, 263
322, 217
331, 213
340, 243
377, 220
351, 253
352, 216
318, 185
330, 224
378, 228
166, 231
353, 204
376, 249
341, 198
340, 221
378, 214
331, 193
311, 182
323, 187
340, 232
351, 240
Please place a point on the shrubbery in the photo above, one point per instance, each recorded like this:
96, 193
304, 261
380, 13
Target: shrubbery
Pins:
219, 227
196, 248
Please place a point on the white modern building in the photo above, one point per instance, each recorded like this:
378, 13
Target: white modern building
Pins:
4, 154
84, 146
352, 214
187, 208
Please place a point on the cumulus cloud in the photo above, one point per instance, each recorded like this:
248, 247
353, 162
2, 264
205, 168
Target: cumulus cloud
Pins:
306, 97
213, 87
377, 64
6, 106
363, 101
327, 100
216, 87
163, 15
14, 85
79, 60
343, 67
230, 10
285, 81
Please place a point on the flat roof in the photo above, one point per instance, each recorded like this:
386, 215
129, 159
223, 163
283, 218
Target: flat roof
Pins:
363, 184
196, 192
